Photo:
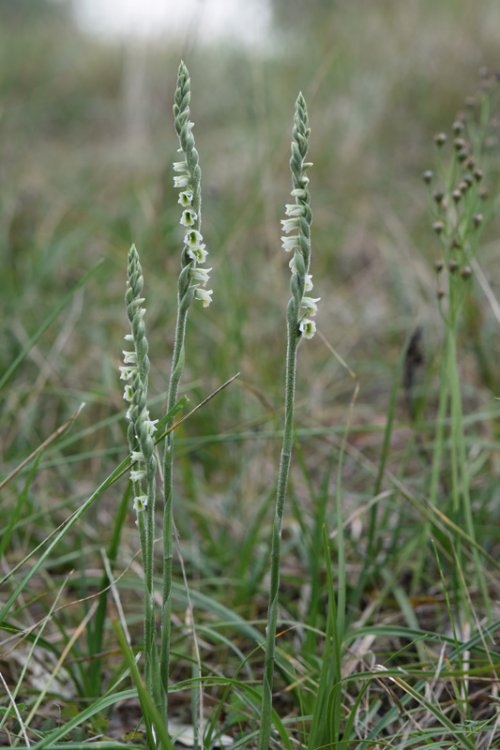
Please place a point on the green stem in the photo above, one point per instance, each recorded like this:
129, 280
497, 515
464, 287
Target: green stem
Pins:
463, 480
285, 458
151, 645
175, 376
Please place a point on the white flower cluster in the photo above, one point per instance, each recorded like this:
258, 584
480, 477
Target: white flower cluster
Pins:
291, 243
129, 372
193, 239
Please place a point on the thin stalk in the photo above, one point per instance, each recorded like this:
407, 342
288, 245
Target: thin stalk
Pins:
463, 479
284, 467
141, 429
300, 310
192, 279
168, 529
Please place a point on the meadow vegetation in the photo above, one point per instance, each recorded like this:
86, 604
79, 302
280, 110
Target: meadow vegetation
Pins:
387, 620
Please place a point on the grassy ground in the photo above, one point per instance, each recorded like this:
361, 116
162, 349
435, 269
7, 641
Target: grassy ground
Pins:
406, 488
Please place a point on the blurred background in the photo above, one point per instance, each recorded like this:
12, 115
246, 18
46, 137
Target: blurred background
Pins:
87, 142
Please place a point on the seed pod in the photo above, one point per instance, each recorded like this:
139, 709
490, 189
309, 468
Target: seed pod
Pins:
466, 272
438, 227
427, 176
440, 139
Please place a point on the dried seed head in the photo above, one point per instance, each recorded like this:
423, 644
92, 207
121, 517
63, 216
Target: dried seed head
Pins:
440, 139
459, 144
477, 220
478, 175
427, 176
438, 197
458, 127
438, 227
484, 194
439, 265
456, 195
452, 266
466, 272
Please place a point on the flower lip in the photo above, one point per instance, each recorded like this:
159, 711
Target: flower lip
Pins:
127, 373
200, 275
205, 295
129, 358
310, 305
127, 393
198, 254
289, 225
307, 328
290, 243
308, 283
181, 181
294, 209
188, 218
140, 503
185, 198
193, 239
137, 475
181, 166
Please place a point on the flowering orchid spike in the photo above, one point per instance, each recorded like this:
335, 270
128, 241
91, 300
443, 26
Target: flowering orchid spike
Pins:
187, 178
303, 308
300, 325
191, 286
135, 371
